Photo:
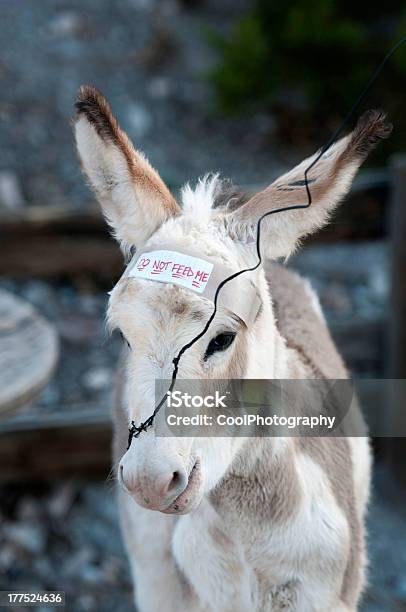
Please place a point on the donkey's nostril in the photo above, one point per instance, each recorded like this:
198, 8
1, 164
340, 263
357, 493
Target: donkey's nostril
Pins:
172, 483
121, 474
176, 478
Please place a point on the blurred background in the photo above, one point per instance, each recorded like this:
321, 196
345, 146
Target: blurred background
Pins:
244, 87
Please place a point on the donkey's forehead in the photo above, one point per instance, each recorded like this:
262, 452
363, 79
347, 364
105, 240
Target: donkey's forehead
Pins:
199, 262
133, 301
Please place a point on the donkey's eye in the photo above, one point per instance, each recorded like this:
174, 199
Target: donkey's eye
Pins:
219, 343
124, 339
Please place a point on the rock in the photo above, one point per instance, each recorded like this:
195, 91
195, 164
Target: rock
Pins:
51, 395
97, 379
83, 565
41, 295
401, 588
11, 196
44, 568
98, 496
28, 509
91, 304
379, 283
30, 538
92, 574
142, 5
78, 329
335, 297
139, 119
61, 500
67, 24
87, 602
159, 87
75, 563
7, 557
111, 568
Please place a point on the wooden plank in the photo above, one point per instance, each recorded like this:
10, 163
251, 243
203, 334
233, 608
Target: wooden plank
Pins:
74, 444
50, 242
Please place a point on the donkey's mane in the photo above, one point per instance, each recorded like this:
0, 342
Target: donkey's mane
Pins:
211, 192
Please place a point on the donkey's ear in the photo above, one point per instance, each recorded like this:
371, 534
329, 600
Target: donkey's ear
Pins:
133, 197
329, 181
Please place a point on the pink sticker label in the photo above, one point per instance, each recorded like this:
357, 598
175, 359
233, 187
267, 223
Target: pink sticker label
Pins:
173, 267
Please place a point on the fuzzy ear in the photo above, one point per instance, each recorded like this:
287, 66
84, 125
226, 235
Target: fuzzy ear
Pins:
133, 197
329, 181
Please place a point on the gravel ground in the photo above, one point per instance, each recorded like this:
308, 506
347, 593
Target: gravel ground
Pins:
64, 537
150, 58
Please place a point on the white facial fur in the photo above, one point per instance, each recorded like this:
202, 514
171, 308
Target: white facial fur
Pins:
158, 319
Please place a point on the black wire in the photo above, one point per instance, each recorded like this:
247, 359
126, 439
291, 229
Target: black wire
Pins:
135, 431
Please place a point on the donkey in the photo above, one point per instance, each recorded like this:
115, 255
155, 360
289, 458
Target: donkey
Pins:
240, 523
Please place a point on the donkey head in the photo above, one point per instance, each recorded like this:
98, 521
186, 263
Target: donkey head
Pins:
170, 474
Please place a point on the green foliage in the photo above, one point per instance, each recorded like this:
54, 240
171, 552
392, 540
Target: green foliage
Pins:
312, 54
